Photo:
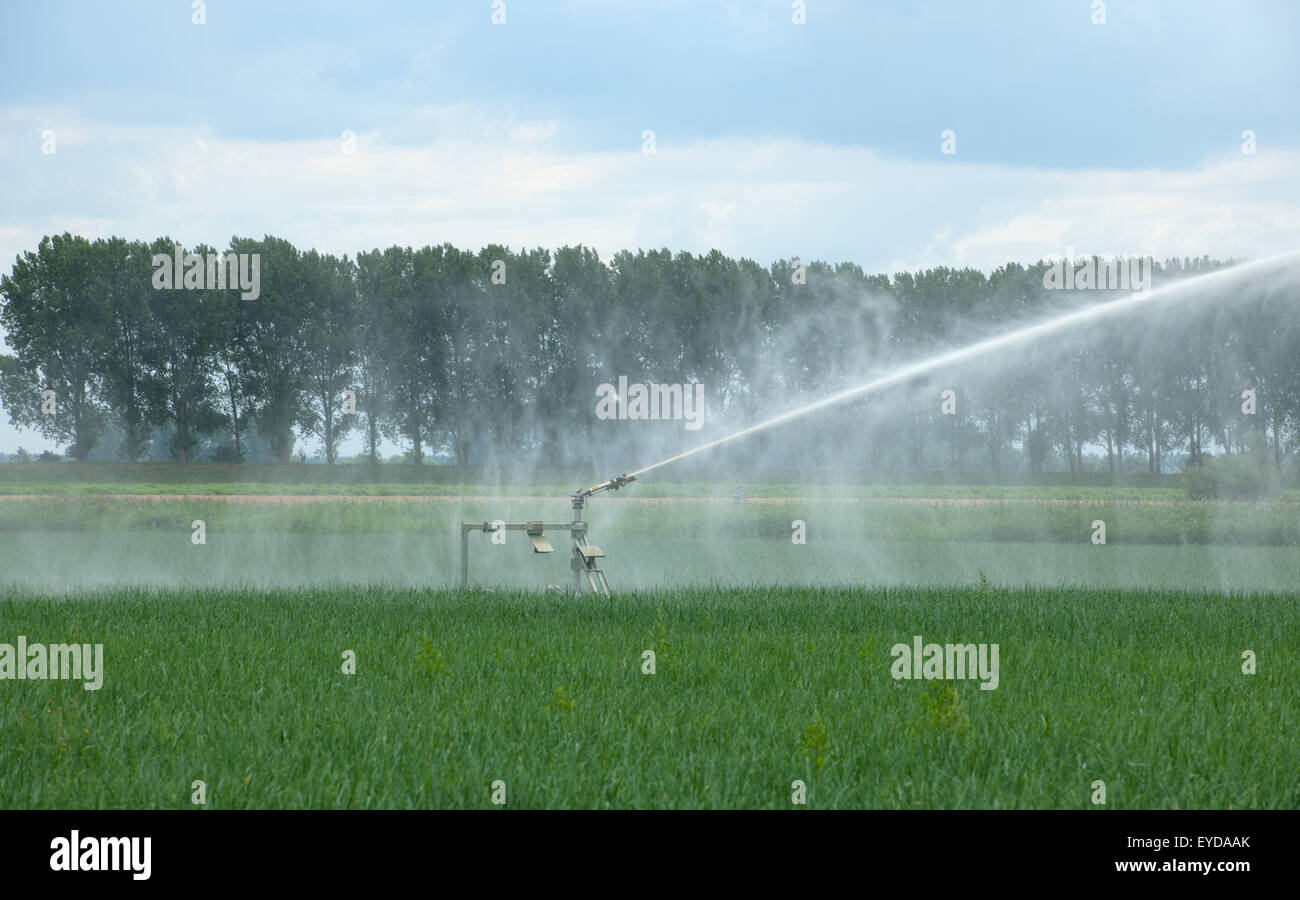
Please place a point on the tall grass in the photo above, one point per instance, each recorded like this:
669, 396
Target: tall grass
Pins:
753, 689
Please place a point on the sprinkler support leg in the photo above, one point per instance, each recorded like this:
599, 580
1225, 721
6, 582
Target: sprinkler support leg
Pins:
578, 530
464, 557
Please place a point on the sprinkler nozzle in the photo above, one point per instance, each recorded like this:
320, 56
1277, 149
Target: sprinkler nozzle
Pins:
612, 485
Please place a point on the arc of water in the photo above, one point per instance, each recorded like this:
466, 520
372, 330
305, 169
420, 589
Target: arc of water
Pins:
1028, 333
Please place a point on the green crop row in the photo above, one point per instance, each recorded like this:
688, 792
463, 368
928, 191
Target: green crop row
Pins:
751, 691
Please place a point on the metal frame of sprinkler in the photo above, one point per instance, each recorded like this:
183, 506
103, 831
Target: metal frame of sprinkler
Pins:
585, 555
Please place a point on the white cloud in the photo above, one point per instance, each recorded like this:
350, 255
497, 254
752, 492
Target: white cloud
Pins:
486, 181
475, 180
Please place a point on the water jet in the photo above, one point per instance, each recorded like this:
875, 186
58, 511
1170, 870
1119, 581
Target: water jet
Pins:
585, 555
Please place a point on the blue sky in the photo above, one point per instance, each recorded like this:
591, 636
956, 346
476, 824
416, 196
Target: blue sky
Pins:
772, 139
1024, 83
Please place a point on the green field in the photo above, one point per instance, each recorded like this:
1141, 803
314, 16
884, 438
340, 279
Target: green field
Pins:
59, 563
752, 690
66, 543
92, 479
1120, 662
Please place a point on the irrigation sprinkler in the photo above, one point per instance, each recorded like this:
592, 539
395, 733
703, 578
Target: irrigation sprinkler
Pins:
585, 555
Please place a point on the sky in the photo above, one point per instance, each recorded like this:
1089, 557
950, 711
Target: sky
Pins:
771, 139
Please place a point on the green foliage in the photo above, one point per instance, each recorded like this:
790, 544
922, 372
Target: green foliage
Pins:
226, 453
560, 701
816, 742
944, 709
243, 688
55, 312
430, 661
1242, 476
446, 359
848, 527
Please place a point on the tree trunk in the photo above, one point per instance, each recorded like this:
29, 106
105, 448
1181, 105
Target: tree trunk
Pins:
372, 433
1277, 438
327, 429
234, 412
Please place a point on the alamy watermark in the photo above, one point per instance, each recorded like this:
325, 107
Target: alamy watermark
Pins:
37, 662
946, 661
1096, 273
219, 271
103, 854
652, 401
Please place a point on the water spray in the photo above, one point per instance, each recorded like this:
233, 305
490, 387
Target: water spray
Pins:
980, 348
585, 555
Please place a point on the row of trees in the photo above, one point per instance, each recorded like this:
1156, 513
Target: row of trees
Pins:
496, 356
